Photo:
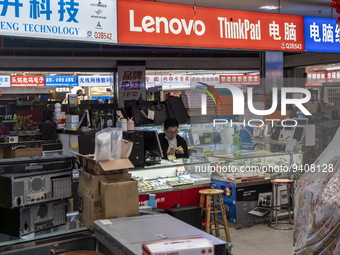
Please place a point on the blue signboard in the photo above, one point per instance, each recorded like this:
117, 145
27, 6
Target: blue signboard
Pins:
61, 81
321, 35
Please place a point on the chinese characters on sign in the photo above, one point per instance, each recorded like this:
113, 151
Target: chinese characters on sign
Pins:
175, 82
322, 35
153, 82
240, 79
333, 76
42, 7
5, 81
315, 78
27, 81
319, 78
208, 79
59, 19
61, 81
98, 81
131, 83
140, 23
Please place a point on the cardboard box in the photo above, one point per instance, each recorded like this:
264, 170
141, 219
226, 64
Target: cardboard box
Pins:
90, 209
90, 184
21, 153
89, 195
183, 246
105, 167
119, 199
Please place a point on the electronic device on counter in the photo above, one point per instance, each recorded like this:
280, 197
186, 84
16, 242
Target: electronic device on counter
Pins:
146, 148
32, 164
26, 220
136, 157
22, 189
152, 148
264, 204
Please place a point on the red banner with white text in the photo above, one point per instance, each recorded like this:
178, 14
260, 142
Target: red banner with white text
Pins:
151, 23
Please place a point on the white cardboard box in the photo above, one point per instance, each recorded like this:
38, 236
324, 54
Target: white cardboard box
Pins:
183, 246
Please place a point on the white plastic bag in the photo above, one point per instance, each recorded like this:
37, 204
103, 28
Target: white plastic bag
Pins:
108, 144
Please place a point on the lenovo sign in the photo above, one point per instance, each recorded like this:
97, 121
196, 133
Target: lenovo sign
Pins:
153, 23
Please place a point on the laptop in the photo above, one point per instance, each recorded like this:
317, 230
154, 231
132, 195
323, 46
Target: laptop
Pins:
264, 203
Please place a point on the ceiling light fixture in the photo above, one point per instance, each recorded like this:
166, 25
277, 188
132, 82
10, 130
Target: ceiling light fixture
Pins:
268, 7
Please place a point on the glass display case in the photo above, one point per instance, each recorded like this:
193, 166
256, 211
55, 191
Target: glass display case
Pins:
259, 165
171, 175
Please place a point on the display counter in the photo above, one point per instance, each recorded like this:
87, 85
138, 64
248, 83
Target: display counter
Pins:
260, 165
175, 183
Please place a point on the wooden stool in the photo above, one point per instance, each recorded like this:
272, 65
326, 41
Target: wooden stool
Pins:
212, 206
278, 207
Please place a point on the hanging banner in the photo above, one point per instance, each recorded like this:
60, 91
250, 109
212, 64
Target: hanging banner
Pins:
61, 81
27, 81
152, 23
170, 82
319, 78
315, 79
96, 81
85, 20
5, 81
153, 82
131, 83
240, 79
321, 35
333, 76
212, 80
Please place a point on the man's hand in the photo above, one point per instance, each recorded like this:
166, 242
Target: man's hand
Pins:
179, 150
172, 151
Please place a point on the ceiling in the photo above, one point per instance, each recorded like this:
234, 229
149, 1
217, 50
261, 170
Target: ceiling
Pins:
317, 8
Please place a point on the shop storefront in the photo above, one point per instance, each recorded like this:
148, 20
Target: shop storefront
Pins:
75, 78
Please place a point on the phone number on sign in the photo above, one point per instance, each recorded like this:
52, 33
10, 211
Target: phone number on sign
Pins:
324, 168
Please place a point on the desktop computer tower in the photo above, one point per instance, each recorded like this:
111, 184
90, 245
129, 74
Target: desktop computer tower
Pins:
137, 156
189, 214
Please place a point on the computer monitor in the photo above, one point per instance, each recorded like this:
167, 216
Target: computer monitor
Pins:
152, 146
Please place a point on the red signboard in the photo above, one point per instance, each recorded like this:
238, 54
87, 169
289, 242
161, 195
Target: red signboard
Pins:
151, 23
315, 79
333, 76
27, 81
240, 79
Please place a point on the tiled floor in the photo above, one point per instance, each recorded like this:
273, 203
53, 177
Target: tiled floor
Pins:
261, 240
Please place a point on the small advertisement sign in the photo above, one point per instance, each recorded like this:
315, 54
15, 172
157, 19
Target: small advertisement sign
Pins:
96, 81
27, 80
61, 81
5, 81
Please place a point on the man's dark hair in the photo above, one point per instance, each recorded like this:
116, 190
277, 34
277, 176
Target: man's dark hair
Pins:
171, 122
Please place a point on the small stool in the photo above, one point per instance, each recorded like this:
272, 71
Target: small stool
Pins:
276, 207
212, 203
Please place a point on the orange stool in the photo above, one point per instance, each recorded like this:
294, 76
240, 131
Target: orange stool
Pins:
278, 207
211, 203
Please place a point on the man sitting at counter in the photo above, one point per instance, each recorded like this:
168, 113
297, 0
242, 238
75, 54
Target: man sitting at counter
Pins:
172, 144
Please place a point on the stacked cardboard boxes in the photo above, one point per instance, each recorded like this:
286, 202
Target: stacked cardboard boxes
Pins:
106, 191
